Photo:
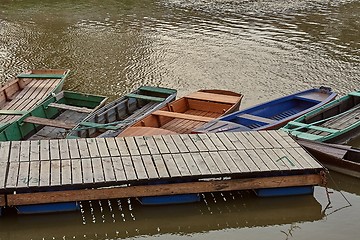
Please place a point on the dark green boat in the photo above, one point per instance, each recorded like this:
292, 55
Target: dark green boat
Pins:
335, 122
113, 118
53, 118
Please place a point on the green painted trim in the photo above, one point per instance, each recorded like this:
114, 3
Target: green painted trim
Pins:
356, 94
12, 112
158, 90
144, 97
47, 76
313, 127
98, 125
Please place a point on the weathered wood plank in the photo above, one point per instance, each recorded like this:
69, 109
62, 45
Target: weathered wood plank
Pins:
190, 163
171, 166
73, 148
4, 152
98, 170
278, 161
118, 169
83, 149
185, 138
112, 147
270, 139
266, 159
244, 141
3, 169
15, 151
210, 163
234, 140
54, 149
279, 139
200, 163
139, 167
161, 144
129, 168
44, 173
24, 151
44, 150
87, 170
164, 189
224, 155
239, 161
76, 171
23, 178
140, 141
219, 162
123, 149
257, 160
248, 161
12, 176
207, 142
109, 174
252, 139
160, 166
103, 148
131, 144
150, 142
179, 144
93, 148
216, 141
171, 146
181, 165
64, 149
150, 167
260, 138
55, 166
66, 172
198, 142
227, 143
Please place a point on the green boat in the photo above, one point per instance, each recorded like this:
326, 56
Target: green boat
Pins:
335, 122
53, 118
114, 117
27, 90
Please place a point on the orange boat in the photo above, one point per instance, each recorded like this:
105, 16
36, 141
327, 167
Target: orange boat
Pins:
186, 114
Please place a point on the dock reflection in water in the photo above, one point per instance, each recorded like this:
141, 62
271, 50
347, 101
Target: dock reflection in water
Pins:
127, 218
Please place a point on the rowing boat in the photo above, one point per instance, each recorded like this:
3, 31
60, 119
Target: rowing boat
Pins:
53, 118
185, 114
28, 90
272, 114
337, 157
335, 122
111, 119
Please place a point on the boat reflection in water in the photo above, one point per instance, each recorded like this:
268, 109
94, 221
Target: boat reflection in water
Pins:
127, 218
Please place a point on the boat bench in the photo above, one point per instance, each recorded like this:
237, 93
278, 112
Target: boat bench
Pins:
69, 107
312, 127
145, 97
49, 122
257, 118
214, 97
182, 116
46, 76
158, 90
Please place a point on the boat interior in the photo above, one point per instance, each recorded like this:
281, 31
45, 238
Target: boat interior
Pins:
185, 114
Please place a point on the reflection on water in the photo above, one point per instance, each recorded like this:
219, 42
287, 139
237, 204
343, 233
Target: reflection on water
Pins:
127, 218
263, 49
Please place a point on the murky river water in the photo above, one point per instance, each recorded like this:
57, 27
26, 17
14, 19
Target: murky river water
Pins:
263, 49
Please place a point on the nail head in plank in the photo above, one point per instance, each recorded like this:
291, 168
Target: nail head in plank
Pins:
97, 170
149, 166
118, 169
181, 165
108, 169
88, 176
160, 166
66, 172
55, 173
76, 171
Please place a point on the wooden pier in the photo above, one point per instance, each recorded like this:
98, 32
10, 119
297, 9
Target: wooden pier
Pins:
53, 171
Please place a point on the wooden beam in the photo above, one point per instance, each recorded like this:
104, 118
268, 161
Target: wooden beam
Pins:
49, 122
164, 189
2, 201
257, 118
182, 116
69, 107
213, 97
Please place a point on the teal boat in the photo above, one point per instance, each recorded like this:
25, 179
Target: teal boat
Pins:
114, 117
27, 90
335, 122
54, 117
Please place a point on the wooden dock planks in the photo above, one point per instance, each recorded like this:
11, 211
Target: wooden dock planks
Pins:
66, 164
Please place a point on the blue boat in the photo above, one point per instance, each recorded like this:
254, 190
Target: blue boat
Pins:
173, 199
48, 208
270, 115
